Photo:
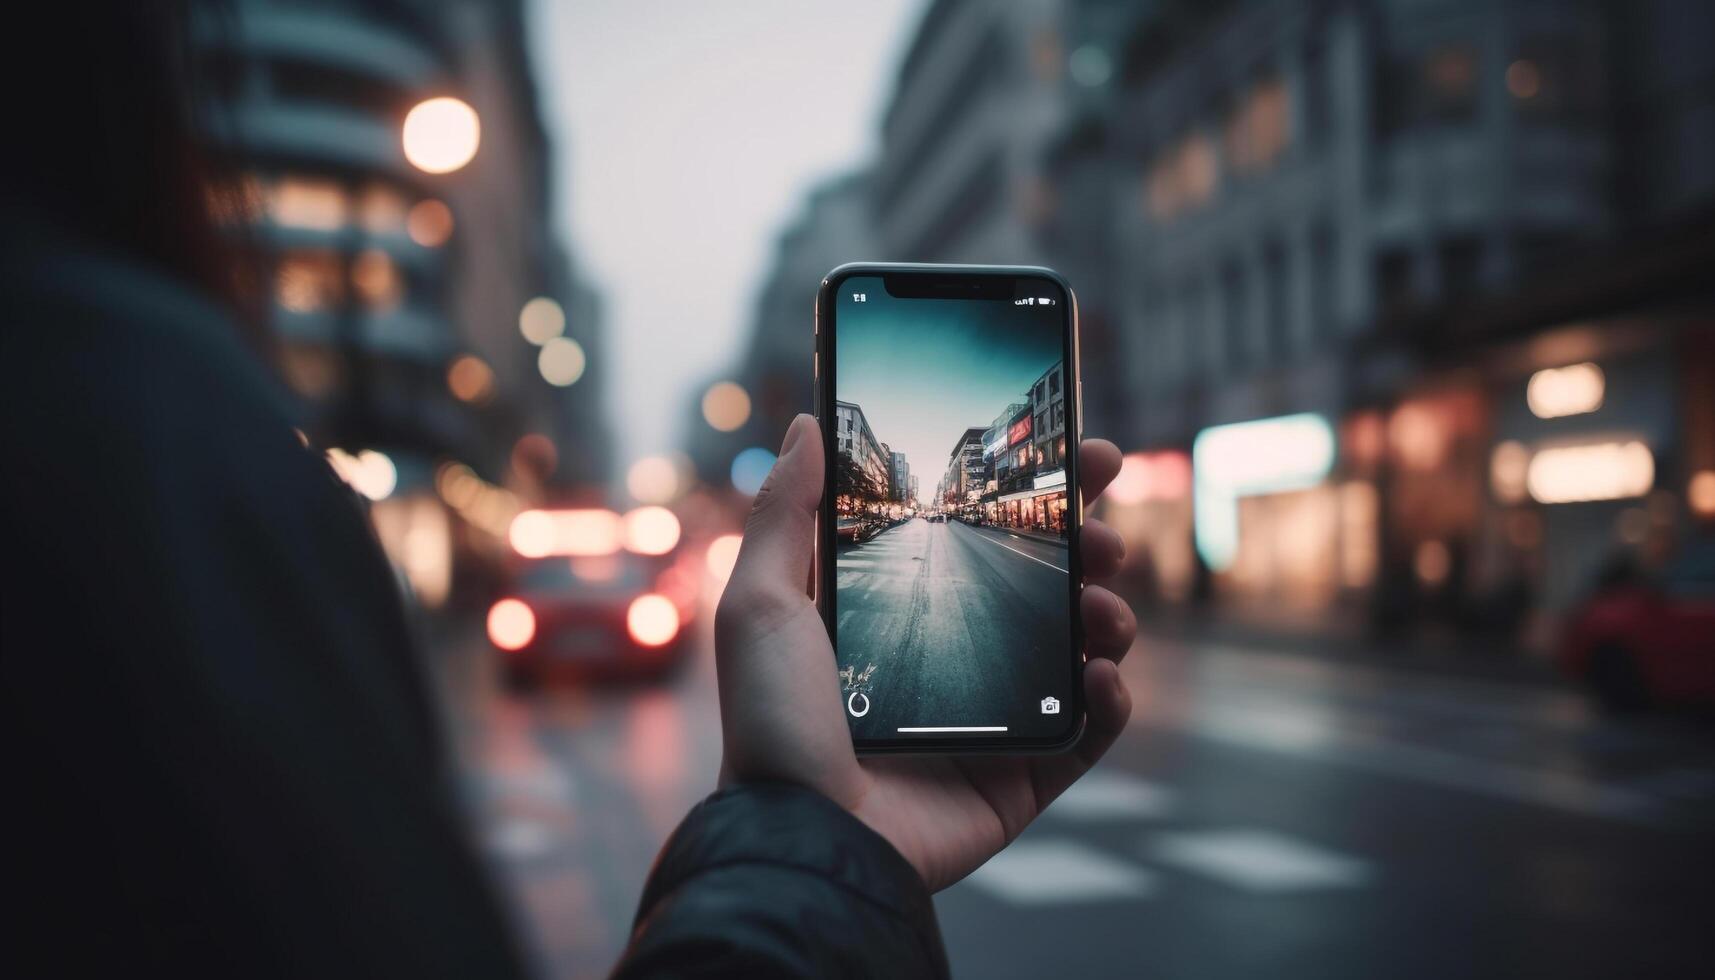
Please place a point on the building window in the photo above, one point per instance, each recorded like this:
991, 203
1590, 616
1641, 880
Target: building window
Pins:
1234, 306
315, 203
1393, 281
1322, 299
1557, 79
1276, 313
1257, 131
310, 281
1183, 177
1054, 383
1449, 92
1315, 97
1461, 266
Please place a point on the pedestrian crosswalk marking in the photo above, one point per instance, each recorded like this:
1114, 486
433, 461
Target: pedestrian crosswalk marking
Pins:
1258, 860
1103, 795
1059, 872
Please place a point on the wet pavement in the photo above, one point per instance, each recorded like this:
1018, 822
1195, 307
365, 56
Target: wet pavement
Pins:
1266, 813
951, 626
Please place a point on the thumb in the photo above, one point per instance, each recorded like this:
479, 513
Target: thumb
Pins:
780, 534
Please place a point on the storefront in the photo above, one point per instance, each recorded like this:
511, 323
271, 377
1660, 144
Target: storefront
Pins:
1587, 457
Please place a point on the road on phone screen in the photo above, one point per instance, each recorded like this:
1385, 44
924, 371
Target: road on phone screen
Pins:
965, 626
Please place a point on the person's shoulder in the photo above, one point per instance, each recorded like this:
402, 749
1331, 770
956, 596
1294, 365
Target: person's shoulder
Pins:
91, 335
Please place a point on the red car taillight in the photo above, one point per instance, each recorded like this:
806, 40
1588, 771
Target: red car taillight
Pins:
511, 624
652, 620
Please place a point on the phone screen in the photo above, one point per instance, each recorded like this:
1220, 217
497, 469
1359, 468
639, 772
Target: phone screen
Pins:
954, 514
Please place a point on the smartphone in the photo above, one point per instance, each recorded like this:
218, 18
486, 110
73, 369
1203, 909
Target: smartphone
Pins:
947, 549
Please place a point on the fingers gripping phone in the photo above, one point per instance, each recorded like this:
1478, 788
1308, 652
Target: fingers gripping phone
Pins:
948, 569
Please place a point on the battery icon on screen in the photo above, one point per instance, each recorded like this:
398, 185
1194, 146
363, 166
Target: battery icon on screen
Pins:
1046, 300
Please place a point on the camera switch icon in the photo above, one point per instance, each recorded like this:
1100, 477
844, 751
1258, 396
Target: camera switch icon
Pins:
1050, 706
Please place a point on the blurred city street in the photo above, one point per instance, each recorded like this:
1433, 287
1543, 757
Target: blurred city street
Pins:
362, 336
1266, 811
934, 615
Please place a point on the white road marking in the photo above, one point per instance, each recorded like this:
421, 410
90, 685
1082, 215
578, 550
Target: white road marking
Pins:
957, 728
1113, 796
1060, 872
1259, 861
1015, 551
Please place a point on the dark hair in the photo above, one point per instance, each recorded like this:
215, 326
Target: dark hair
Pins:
109, 149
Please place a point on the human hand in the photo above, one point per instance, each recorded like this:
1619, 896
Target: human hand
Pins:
781, 716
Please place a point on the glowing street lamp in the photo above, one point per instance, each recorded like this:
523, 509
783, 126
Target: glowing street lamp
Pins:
441, 135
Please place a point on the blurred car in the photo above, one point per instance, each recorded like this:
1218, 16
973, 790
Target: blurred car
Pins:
852, 530
937, 518
617, 616
1640, 639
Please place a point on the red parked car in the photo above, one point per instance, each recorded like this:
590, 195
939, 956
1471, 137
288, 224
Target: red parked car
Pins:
1640, 639
617, 616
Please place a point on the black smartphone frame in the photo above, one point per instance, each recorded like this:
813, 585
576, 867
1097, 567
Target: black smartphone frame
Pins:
954, 282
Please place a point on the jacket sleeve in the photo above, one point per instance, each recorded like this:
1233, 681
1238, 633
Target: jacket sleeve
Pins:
769, 880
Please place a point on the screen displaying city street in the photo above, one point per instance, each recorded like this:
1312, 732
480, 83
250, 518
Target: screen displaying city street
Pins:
951, 606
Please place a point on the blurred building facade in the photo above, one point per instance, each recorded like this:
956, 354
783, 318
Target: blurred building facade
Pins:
1395, 306
1368, 212
397, 293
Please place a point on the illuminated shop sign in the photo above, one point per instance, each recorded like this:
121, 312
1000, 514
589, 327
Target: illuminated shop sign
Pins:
1569, 473
1019, 432
1151, 476
1594, 471
1246, 459
1054, 479
1571, 390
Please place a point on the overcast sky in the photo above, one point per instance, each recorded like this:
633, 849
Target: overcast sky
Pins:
688, 133
925, 371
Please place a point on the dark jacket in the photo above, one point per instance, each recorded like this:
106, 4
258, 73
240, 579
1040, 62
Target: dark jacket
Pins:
221, 757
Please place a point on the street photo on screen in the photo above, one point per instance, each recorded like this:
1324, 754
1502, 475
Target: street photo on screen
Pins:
951, 601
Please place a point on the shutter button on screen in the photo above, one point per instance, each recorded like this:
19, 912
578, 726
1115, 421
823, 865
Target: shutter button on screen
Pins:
858, 704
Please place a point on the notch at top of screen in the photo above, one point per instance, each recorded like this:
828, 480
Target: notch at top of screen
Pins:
941, 285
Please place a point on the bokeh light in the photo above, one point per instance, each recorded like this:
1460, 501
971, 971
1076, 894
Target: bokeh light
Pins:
561, 361
429, 223
750, 468
370, 472
376, 279
726, 406
1700, 493
652, 620
541, 320
583, 531
511, 624
470, 379
653, 480
441, 135
1131, 484
651, 530
723, 555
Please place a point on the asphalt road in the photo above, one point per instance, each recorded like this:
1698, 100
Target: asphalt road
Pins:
1267, 813
945, 625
